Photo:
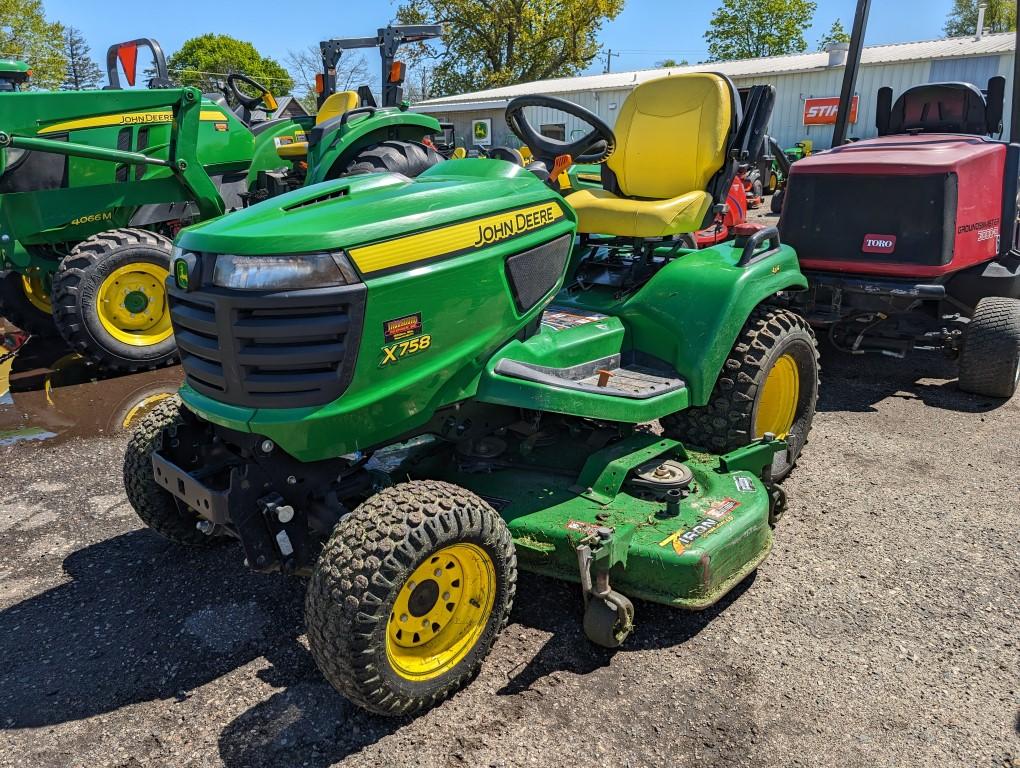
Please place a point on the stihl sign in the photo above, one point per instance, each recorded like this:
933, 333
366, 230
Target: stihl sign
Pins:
879, 244
822, 111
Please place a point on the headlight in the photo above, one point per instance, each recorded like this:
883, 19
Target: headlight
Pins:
281, 273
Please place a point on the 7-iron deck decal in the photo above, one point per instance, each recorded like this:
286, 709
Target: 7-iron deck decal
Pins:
454, 239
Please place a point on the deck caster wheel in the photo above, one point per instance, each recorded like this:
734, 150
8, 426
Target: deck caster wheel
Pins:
609, 621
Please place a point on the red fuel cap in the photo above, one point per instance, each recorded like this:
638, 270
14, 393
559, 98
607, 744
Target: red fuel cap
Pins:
749, 228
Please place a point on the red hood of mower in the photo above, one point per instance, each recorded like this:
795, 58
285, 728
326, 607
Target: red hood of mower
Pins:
915, 207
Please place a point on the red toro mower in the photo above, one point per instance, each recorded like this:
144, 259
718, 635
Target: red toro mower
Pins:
910, 239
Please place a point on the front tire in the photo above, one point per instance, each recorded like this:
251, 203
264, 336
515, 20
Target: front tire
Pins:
990, 354
153, 504
408, 596
25, 301
776, 203
769, 383
110, 301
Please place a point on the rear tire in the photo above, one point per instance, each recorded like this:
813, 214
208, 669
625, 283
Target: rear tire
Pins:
153, 504
110, 302
773, 341
990, 354
385, 575
16, 306
776, 204
405, 157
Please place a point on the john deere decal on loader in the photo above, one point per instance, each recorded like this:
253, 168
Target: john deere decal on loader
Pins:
408, 388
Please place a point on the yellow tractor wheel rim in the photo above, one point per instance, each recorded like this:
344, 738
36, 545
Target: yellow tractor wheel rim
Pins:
441, 612
35, 291
777, 403
132, 305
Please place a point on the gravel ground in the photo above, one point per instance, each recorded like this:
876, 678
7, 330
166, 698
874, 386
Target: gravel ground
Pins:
881, 632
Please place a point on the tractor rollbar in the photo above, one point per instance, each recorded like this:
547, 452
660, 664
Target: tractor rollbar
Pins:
853, 65
1014, 119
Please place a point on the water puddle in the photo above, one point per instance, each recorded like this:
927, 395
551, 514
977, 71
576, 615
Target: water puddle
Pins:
49, 394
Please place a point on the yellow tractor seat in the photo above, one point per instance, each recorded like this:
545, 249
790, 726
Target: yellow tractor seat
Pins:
602, 212
672, 136
334, 106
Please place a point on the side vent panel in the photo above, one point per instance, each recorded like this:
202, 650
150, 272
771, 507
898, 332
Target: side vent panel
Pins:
534, 273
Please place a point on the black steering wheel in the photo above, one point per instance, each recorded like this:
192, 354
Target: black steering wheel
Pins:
594, 147
248, 102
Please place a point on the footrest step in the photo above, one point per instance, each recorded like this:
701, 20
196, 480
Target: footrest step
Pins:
606, 376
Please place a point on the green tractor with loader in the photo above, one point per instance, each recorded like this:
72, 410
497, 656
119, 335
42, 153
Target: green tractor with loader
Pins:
406, 389
13, 75
94, 185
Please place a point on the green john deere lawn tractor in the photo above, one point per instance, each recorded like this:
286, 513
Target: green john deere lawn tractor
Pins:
95, 184
407, 389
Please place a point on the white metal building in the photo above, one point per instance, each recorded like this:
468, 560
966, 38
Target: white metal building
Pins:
797, 78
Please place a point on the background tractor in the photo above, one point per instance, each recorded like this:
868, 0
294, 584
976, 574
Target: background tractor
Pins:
13, 75
95, 184
910, 239
407, 388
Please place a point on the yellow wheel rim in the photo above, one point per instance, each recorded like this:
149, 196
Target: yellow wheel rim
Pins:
36, 292
441, 612
132, 305
777, 404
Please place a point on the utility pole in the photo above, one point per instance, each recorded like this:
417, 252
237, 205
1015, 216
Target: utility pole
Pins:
609, 60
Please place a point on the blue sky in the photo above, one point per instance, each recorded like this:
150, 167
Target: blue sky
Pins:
647, 31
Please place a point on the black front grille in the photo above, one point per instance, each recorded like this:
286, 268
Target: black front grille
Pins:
269, 350
828, 216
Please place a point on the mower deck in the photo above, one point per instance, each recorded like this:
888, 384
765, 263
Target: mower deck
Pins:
686, 550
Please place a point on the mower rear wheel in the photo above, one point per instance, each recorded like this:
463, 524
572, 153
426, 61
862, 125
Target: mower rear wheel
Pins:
769, 383
405, 157
990, 354
110, 301
25, 301
152, 503
408, 596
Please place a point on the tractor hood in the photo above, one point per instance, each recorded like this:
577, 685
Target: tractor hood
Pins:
365, 209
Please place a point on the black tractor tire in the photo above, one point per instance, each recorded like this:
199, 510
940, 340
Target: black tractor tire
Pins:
76, 286
16, 307
990, 353
152, 503
366, 566
405, 157
776, 204
728, 421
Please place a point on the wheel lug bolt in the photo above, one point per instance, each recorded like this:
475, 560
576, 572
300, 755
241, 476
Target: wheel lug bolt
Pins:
411, 585
437, 573
403, 617
446, 595
424, 622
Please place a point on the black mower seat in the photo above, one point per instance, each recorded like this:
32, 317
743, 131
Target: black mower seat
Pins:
944, 108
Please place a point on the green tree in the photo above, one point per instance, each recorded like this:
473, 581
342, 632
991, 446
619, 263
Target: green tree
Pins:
490, 43
665, 63
836, 34
82, 72
1000, 16
25, 34
205, 61
747, 29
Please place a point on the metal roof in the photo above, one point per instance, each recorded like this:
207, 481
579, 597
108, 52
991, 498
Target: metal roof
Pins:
925, 50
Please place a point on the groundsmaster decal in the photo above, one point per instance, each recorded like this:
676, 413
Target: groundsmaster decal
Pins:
455, 239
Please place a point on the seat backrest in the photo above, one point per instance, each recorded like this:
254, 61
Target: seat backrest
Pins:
672, 135
940, 108
335, 105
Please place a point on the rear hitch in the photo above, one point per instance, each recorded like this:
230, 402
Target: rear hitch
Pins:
608, 615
